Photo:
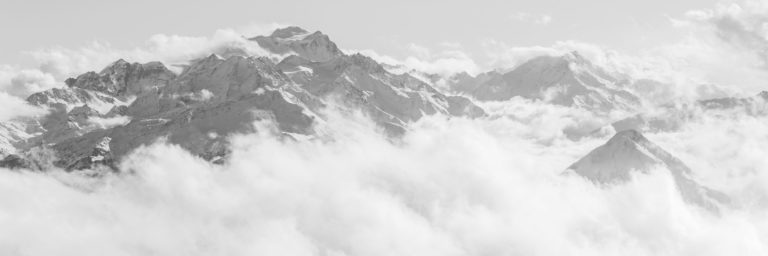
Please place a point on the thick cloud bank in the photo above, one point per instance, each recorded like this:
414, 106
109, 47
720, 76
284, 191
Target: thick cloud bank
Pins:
449, 187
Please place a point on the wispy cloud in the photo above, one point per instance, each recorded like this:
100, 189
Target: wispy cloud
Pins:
451, 59
540, 19
740, 25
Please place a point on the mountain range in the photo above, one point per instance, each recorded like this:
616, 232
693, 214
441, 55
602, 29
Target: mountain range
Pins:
100, 117
568, 80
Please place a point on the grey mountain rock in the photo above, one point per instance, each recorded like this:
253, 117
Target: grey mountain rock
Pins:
568, 80
389, 98
101, 117
123, 79
294, 40
466, 83
628, 152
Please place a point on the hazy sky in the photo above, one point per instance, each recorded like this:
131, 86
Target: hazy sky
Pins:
682, 41
387, 26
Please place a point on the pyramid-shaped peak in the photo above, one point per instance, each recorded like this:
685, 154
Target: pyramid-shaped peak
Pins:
625, 152
628, 152
288, 32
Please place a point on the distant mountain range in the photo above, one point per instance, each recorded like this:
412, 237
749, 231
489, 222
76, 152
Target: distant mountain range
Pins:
568, 80
671, 117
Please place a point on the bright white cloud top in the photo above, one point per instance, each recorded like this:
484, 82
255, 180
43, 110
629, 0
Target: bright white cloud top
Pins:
279, 140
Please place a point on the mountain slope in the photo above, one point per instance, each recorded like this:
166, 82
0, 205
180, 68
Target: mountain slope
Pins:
297, 41
568, 80
628, 152
100, 117
389, 98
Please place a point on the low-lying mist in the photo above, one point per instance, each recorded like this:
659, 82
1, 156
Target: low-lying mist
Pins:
490, 186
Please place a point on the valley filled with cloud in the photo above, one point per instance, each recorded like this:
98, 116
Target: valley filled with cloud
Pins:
270, 139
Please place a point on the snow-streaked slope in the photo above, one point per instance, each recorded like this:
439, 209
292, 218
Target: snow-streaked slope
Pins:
568, 80
100, 117
389, 98
294, 40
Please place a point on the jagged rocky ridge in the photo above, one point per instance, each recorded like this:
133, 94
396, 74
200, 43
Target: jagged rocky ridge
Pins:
629, 152
100, 117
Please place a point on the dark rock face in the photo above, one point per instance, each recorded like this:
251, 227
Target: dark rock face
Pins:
14, 162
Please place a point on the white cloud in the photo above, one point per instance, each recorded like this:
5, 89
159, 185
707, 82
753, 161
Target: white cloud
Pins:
169, 49
727, 44
23, 82
55, 64
443, 62
13, 107
540, 19
107, 123
450, 187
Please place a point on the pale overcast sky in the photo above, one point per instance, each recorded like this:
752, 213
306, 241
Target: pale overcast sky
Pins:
450, 35
387, 26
